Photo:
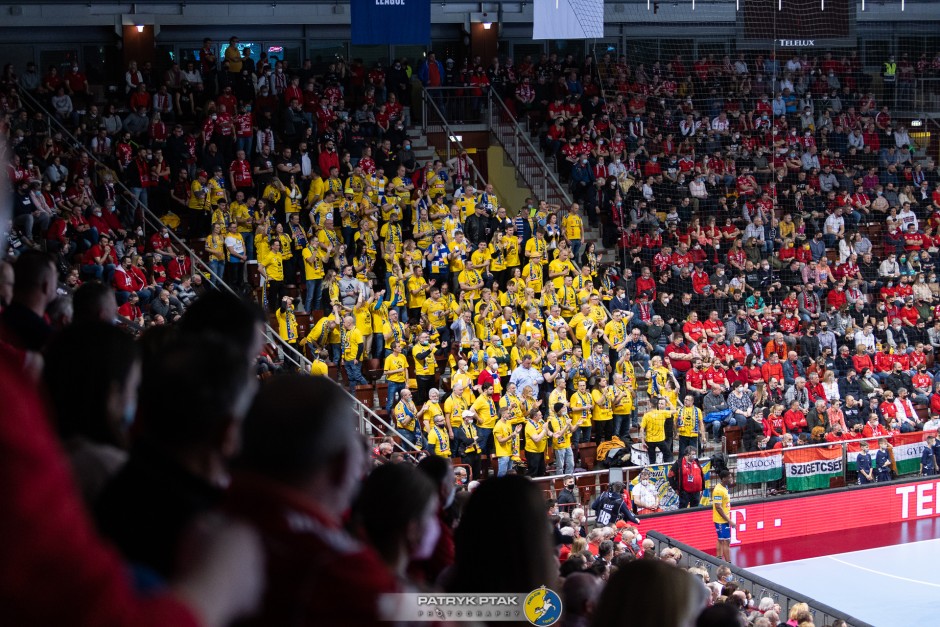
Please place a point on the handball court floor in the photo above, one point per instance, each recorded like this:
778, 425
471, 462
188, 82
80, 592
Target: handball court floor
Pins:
892, 585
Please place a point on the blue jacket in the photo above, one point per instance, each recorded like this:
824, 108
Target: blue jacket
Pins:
424, 72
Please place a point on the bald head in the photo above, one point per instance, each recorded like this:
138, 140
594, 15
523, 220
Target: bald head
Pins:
580, 593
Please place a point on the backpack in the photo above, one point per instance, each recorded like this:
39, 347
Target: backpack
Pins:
718, 463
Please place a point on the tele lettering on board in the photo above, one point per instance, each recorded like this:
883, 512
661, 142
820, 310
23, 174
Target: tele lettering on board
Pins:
925, 501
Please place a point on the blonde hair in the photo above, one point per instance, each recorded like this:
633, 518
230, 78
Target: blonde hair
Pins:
798, 611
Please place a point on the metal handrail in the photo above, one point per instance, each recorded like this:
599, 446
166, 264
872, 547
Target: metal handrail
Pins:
757, 585
519, 132
426, 100
366, 415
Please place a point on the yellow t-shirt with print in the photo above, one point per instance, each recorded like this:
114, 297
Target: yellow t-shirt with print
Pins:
502, 430
654, 424
485, 409
439, 442
603, 404
394, 362
351, 341
533, 428
556, 424
428, 365
720, 497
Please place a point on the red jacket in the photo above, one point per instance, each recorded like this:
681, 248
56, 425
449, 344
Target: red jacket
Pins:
769, 370
50, 549
326, 161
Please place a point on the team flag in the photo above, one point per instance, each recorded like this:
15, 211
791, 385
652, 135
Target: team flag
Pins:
907, 450
759, 467
811, 469
854, 447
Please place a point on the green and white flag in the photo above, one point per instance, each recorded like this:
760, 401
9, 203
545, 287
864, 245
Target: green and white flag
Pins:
759, 467
907, 450
812, 468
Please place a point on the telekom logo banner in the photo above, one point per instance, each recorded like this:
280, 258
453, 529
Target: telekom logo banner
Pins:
806, 515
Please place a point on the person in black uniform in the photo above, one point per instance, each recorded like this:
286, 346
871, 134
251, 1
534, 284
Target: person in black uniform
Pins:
882, 462
928, 457
611, 506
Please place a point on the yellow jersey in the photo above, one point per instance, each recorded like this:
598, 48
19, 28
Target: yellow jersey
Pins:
559, 424
689, 421
318, 368
654, 424
406, 416
313, 263
533, 428
603, 404
439, 441
574, 227
351, 344
427, 365
485, 409
625, 405
580, 407
396, 362
436, 311
502, 430
720, 498
532, 275
273, 265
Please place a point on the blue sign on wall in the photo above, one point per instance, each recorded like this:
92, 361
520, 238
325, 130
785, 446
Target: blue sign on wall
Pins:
391, 22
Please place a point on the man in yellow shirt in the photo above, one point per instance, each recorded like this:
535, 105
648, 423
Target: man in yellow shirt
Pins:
536, 249
616, 333
559, 426
603, 418
396, 374
653, 431
313, 275
574, 231
199, 207
536, 441
351, 346
560, 268
581, 406
484, 407
407, 420
721, 515
425, 365
417, 293
503, 434
271, 266
438, 438
623, 408
690, 424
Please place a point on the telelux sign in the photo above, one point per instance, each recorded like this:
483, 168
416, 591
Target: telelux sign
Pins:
797, 43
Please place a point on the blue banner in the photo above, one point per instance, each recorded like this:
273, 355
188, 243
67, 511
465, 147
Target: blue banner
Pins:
391, 22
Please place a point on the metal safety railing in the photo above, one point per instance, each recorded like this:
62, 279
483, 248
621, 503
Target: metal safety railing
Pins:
591, 484
515, 138
756, 585
433, 120
369, 423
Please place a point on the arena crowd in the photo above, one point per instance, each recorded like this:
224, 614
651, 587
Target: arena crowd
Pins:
776, 245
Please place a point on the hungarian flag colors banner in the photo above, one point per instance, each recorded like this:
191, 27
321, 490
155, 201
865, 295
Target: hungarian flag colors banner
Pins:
811, 469
907, 450
759, 467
